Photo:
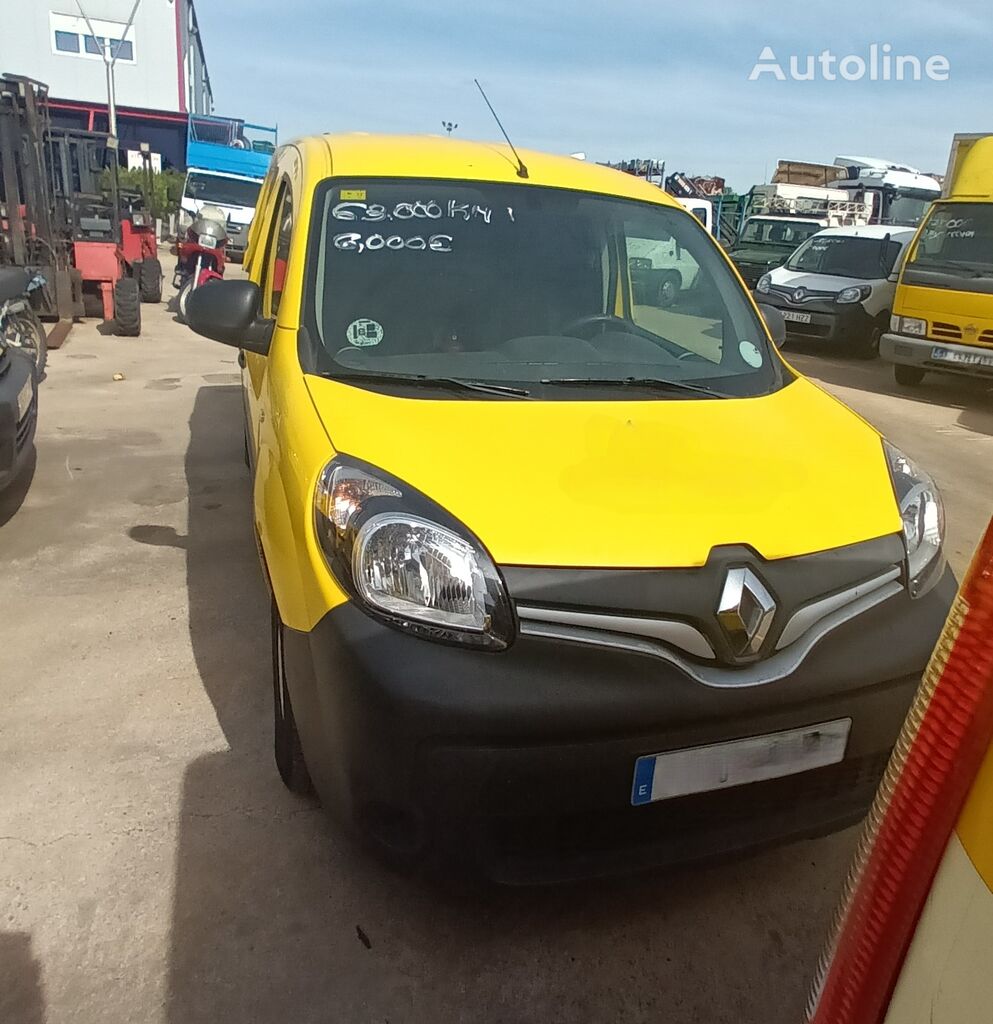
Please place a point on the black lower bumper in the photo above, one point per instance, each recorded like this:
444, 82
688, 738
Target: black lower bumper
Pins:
16, 430
520, 765
845, 323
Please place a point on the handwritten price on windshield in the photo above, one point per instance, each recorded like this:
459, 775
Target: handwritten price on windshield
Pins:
352, 241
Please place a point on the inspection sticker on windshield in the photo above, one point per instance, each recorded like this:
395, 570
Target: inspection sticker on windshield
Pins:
723, 765
353, 193
750, 354
363, 333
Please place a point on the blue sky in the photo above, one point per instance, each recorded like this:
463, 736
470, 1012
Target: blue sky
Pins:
632, 78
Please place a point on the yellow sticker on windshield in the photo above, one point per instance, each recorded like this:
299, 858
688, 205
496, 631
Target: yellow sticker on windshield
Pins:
353, 193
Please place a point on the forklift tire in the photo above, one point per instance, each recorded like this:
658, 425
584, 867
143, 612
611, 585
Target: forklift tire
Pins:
127, 308
149, 274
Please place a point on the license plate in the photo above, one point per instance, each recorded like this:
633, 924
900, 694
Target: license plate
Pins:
24, 400
797, 318
724, 765
947, 355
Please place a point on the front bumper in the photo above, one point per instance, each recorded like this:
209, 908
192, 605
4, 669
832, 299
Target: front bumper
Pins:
843, 323
752, 272
16, 431
976, 360
520, 765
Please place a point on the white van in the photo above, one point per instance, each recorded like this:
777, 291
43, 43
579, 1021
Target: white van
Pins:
235, 194
838, 286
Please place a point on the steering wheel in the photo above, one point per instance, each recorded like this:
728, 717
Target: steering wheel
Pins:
597, 320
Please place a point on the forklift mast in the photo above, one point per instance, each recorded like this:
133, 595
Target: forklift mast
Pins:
29, 231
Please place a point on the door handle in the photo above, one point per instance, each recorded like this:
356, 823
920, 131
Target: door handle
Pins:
241, 358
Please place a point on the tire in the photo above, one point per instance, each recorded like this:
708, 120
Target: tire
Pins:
150, 280
127, 308
26, 332
668, 292
868, 347
183, 299
286, 740
908, 376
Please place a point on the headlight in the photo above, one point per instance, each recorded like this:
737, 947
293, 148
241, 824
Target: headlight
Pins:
763, 286
405, 561
207, 241
909, 325
923, 518
854, 294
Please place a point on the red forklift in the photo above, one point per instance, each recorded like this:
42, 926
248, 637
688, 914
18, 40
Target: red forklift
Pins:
111, 232
30, 237
68, 180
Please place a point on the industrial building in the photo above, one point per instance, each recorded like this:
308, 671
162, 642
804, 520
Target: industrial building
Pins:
161, 70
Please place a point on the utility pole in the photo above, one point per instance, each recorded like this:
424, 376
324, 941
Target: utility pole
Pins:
109, 61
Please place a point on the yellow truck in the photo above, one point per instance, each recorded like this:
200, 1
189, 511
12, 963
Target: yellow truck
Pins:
943, 311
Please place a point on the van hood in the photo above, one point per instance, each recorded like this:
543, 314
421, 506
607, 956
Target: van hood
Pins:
632, 484
817, 282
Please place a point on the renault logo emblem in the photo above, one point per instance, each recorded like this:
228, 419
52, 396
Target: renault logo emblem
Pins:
745, 611
799, 294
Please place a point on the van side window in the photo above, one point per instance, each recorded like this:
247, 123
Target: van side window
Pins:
278, 250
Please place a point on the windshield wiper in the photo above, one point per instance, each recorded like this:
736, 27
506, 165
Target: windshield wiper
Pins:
648, 383
422, 380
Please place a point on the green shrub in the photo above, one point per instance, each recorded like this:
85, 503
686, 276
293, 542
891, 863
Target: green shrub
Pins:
167, 188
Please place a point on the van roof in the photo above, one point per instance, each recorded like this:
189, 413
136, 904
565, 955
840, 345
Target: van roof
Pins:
897, 233
358, 154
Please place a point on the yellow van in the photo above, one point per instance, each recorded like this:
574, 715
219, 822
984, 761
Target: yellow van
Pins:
568, 576
943, 311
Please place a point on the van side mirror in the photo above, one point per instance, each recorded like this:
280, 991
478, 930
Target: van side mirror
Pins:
774, 321
228, 312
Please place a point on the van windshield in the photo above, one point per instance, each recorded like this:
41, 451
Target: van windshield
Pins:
759, 231
863, 258
955, 249
214, 188
562, 294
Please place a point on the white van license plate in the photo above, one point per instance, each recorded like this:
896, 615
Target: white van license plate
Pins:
795, 317
946, 355
723, 765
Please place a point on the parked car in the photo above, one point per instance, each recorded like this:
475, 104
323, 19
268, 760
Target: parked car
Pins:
839, 286
563, 581
18, 409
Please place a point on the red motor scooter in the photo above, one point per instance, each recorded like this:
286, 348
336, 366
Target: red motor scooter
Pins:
202, 254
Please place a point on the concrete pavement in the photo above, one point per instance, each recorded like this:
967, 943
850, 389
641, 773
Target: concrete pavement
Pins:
152, 867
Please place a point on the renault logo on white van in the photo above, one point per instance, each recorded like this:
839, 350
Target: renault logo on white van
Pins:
745, 611
799, 294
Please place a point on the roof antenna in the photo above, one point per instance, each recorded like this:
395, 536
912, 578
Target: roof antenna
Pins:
522, 171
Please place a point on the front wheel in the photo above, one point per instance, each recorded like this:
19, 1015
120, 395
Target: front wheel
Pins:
286, 740
867, 347
26, 332
908, 376
127, 307
150, 280
183, 300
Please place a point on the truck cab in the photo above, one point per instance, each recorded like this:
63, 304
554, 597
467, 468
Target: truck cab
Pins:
765, 243
227, 160
898, 194
943, 310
